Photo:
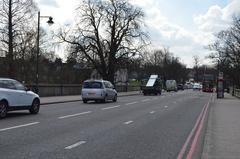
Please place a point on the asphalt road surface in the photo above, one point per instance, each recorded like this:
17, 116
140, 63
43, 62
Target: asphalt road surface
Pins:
135, 127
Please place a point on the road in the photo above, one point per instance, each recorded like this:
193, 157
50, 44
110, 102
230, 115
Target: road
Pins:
135, 127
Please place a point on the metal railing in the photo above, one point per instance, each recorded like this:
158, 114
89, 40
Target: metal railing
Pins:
237, 93
47, 90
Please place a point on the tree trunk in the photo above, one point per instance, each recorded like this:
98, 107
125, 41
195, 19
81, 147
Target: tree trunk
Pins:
111, 68
10, 43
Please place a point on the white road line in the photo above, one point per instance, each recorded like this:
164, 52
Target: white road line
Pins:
19, 126
75, 145
111, 107
165, 106
145, 100
73, 115
131, 103
128, 122
152, 112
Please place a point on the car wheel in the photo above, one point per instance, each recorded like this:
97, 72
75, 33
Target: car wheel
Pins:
35, 106
84, 101
3, 109
104, 100
115, 98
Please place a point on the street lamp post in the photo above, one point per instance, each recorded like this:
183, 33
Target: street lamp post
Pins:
50, 22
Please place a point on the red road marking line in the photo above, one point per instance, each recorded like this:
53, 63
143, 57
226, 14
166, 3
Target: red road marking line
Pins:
201, 117
181, 153
196, 137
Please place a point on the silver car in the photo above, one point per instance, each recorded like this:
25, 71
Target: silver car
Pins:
98, 90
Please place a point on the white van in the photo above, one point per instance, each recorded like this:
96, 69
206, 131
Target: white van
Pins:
171, 85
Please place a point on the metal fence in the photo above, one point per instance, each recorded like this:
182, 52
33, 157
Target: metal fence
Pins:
237, 93
47, 90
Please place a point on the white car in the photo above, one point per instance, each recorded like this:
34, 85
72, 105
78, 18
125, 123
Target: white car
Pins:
15, 96
98, 90
197, 86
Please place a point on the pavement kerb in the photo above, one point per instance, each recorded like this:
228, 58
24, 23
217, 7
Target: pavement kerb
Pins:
68, 101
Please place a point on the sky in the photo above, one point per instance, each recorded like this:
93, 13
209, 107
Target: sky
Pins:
186, 27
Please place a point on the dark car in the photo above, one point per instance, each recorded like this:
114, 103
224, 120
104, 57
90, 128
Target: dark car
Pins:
180, 87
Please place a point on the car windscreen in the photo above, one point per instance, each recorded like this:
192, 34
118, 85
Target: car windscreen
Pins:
92, 85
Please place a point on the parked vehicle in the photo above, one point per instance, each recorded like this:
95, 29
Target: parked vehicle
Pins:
171, 85
15, 96
197, 86
153, 86
98, 90
180, 87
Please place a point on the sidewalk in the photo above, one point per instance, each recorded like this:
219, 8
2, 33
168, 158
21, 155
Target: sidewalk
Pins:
222, 140
65, 99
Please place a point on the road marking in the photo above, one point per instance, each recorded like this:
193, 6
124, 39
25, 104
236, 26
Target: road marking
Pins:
111, 107
131, 103
165, 106
73, 115
197, 128
152, 112
145, 100
183, 150
197, 135
19, 126
128, 122
75, 145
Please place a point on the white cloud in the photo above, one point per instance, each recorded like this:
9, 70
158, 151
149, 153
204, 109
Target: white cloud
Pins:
185, 43
217, 18
52, 3
212, 21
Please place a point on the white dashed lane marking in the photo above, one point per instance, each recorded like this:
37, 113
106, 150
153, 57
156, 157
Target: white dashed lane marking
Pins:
131, 103
19, 126
111, 107
145, 100
75, 145
73, 115
128, 122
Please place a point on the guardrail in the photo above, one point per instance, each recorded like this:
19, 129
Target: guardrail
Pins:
237, 93
47, 90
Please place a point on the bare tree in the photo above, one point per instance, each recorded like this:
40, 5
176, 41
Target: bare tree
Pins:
227, 50
106, 32
14, 16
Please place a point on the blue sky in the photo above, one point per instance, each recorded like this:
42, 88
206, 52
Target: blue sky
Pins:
186, 27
